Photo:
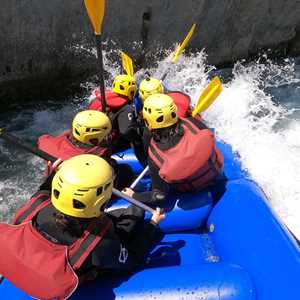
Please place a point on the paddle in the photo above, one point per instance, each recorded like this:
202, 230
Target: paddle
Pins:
144, 172
95, 10
42, 154
179, 50
208, 96
127, 64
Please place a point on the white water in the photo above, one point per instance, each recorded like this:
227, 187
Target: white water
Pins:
267, 135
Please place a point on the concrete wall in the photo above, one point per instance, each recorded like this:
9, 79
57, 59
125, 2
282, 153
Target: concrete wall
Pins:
37, 37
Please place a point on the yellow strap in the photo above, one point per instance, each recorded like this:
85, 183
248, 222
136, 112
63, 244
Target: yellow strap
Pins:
127, 64
95, 10
182, 46
208, 96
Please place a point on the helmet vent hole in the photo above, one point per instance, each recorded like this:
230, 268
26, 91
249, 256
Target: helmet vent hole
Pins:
122, 87
173, 115
107, 186
160, 119
77, 132
56, 193
87, 129
78, 204
95, 130
99, 191
94, 142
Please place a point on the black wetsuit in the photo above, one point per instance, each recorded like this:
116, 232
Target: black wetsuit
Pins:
161, 188
122, 248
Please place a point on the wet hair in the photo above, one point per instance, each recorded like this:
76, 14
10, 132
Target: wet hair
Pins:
168, 133
74, 226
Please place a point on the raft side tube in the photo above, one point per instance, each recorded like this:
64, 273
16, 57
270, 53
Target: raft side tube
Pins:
245, 231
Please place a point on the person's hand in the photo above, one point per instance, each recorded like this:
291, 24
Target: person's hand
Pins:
128, 191
157, 216
53, 166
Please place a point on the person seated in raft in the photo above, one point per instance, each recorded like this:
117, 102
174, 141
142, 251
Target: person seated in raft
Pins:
150, 86
120, 97
122, 93
90, 134
182, 152
130, 119
68, 237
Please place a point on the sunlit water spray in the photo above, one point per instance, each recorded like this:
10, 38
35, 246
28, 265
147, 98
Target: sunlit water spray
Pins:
257, 113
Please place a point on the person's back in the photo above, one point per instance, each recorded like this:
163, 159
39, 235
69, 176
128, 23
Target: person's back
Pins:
90, 134
63, 239
182, 152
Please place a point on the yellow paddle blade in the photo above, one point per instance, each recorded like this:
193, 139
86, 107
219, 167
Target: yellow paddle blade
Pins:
95, 10
208, 96
127, 64
182, 46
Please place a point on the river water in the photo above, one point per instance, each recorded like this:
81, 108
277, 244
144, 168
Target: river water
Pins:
258, 113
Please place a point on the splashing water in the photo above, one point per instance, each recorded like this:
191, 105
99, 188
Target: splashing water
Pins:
257, 113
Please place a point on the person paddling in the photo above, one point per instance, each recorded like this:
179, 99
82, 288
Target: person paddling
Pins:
182, 152
62, 238
122, 93
151, 86
118, 100
91, 133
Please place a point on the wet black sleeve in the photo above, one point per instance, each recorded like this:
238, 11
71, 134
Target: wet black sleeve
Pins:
114, 256
160, 188
46, 185
198, 123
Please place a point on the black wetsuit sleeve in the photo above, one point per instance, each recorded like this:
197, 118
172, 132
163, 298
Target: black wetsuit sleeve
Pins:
160, 188
146, 138
46, 185
113, 256
198, 123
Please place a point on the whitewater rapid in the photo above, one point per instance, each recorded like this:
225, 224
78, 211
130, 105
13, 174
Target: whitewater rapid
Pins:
258, 114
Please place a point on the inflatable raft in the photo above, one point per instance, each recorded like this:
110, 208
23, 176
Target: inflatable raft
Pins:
223, 243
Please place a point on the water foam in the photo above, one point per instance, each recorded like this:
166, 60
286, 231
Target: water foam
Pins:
252, 120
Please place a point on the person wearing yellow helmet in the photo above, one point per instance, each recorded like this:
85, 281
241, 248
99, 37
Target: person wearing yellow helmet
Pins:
123, 91
68, 237
150, 86
118, 101
182, 151
90, 133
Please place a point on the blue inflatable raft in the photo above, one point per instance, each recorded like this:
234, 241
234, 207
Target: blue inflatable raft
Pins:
223, 243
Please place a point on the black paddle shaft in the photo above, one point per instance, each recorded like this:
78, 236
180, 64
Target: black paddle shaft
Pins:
40, 153
101, 71
26, 146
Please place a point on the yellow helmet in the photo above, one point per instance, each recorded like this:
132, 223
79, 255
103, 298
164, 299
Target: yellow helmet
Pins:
124, 85
82, 185
159, 111
150, 86
91, 127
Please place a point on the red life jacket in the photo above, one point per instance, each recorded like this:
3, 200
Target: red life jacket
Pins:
41, 268
61, 147
113, 101
193, 163
182, 102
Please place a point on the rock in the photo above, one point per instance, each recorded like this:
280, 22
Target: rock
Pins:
41, 39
